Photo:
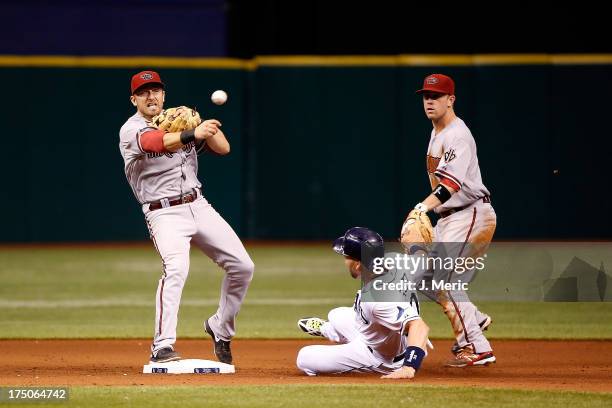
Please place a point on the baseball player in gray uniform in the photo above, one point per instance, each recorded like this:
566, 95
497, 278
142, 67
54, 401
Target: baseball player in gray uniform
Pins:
463, 203
162, 170
382, 337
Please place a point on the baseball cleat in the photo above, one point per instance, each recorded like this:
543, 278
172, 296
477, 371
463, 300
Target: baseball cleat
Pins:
484, 325
222, 348
311, 325
466, 357
165, 355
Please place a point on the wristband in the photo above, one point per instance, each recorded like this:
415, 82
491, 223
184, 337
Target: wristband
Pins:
187, 136
442, 193
421, 207
413, 357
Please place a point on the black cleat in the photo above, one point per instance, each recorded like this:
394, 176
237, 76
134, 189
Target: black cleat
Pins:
165, 355
222, 347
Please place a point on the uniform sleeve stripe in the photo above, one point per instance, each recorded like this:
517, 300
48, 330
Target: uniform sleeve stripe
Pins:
442, 173
139, 133
450, 183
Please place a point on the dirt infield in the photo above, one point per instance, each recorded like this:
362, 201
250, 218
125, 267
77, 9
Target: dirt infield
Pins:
561, 365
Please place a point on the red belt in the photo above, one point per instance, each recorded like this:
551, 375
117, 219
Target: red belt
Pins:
444, 214
183, 199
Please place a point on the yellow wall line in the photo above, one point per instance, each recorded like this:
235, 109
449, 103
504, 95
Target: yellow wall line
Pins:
117, 62
301, 60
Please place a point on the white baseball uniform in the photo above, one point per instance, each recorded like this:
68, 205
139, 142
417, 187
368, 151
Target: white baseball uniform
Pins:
466, 217
371, 337
164, 177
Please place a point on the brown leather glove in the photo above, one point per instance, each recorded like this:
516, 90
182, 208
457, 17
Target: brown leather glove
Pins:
177, 119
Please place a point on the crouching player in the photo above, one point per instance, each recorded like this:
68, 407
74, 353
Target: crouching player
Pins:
382, 337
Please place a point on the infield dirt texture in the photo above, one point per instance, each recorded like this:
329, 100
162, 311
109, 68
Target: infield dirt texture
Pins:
551, 365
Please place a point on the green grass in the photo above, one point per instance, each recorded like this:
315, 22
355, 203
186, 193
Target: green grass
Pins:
109, 292
385, 395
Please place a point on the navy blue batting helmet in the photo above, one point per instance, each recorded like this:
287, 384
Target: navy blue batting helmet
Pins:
361, 244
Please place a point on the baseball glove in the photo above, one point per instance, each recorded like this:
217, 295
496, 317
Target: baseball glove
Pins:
417, 228
177, 119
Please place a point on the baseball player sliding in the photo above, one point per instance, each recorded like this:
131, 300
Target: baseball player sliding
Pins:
463, 203
160, 151
382, 337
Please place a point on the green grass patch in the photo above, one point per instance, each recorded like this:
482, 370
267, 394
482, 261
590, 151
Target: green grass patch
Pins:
330, 396
110, 292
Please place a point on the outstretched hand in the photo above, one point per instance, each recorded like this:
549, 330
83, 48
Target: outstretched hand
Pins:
400, 373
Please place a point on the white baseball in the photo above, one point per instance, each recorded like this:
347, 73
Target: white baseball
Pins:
219, 97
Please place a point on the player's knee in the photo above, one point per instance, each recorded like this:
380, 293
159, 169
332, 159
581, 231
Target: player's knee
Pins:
304, 360
247, 268
338, 315
240, 269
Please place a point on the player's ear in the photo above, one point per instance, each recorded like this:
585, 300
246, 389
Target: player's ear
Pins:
359, 267
163, 96
133, 100
451, 101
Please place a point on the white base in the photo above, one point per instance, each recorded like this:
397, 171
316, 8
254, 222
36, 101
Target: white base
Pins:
191, 366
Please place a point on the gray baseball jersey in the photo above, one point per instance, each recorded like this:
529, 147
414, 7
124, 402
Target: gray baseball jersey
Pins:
452, 154
154, 176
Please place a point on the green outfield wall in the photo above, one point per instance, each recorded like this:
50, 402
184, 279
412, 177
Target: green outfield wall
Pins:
318, 144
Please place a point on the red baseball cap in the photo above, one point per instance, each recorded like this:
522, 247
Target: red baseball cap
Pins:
438, 83
144, 78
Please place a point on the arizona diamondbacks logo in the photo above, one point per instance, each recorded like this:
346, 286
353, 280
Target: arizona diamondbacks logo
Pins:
449, 155
432, 80
146, 76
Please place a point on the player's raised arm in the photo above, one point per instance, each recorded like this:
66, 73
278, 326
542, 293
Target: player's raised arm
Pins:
208, 132
158, 141
174, 128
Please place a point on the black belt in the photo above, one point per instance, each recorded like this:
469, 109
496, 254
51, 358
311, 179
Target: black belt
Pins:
182, 199
395, 359
444, 214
